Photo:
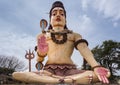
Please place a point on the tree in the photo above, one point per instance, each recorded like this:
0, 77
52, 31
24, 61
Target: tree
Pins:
6, 71
11, 62
108, 55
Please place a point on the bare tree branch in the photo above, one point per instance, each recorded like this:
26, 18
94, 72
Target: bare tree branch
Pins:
12, 62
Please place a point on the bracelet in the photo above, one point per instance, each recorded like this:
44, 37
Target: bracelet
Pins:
40, 55
96, 67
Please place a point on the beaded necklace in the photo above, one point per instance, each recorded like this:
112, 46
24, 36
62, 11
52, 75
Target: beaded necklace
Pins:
63, 34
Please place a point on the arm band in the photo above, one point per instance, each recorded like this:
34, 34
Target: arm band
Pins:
80, 41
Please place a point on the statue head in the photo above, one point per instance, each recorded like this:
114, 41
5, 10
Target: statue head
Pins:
57, 4
57, 15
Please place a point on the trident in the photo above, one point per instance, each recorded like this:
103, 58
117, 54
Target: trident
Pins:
29, 55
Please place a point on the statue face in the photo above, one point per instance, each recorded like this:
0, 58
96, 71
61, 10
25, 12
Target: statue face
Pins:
58, 18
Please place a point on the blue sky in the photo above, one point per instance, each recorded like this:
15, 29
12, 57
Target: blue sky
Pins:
95, 20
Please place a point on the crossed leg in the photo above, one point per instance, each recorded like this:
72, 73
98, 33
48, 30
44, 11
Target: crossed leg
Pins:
35, 77
83, 78
46, 77
86, 77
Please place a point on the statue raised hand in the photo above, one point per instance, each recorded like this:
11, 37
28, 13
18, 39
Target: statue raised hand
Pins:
42, 45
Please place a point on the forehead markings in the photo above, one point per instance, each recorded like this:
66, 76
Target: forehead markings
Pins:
57, 8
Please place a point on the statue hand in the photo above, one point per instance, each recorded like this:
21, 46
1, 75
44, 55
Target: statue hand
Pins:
42, 45
102, 74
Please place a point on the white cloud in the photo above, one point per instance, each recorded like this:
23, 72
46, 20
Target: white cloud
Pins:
15, 45
12, 44
110, 14
22, 15
115, 24
85, 4
86, 24
110, 9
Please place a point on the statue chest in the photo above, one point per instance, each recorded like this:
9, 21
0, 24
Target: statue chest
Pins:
59, 38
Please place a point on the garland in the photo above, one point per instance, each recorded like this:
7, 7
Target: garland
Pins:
62, 33
64, 36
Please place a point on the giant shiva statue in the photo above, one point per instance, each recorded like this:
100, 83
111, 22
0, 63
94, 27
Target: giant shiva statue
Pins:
58, 43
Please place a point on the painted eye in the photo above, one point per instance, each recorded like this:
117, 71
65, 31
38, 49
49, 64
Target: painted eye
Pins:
53, 14
62, 14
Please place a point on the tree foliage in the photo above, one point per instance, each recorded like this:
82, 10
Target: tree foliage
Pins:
11, 62
6, 71
108, 55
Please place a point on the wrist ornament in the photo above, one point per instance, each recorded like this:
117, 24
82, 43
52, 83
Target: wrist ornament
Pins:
41, 55
96, 67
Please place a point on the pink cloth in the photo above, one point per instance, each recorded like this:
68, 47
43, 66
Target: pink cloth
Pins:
62, 69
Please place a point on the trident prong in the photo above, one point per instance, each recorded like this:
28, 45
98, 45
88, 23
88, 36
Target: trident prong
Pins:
29, 55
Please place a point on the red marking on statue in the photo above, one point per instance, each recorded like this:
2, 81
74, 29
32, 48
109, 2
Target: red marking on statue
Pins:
102, 72
42, 45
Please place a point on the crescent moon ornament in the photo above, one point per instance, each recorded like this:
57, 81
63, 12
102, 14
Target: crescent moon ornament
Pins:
43, 24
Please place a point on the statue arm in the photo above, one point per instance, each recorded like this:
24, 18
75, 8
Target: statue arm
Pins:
85, 51
87, 54
42, 47
101, 72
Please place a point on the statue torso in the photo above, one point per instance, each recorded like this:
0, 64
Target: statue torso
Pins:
60, 53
